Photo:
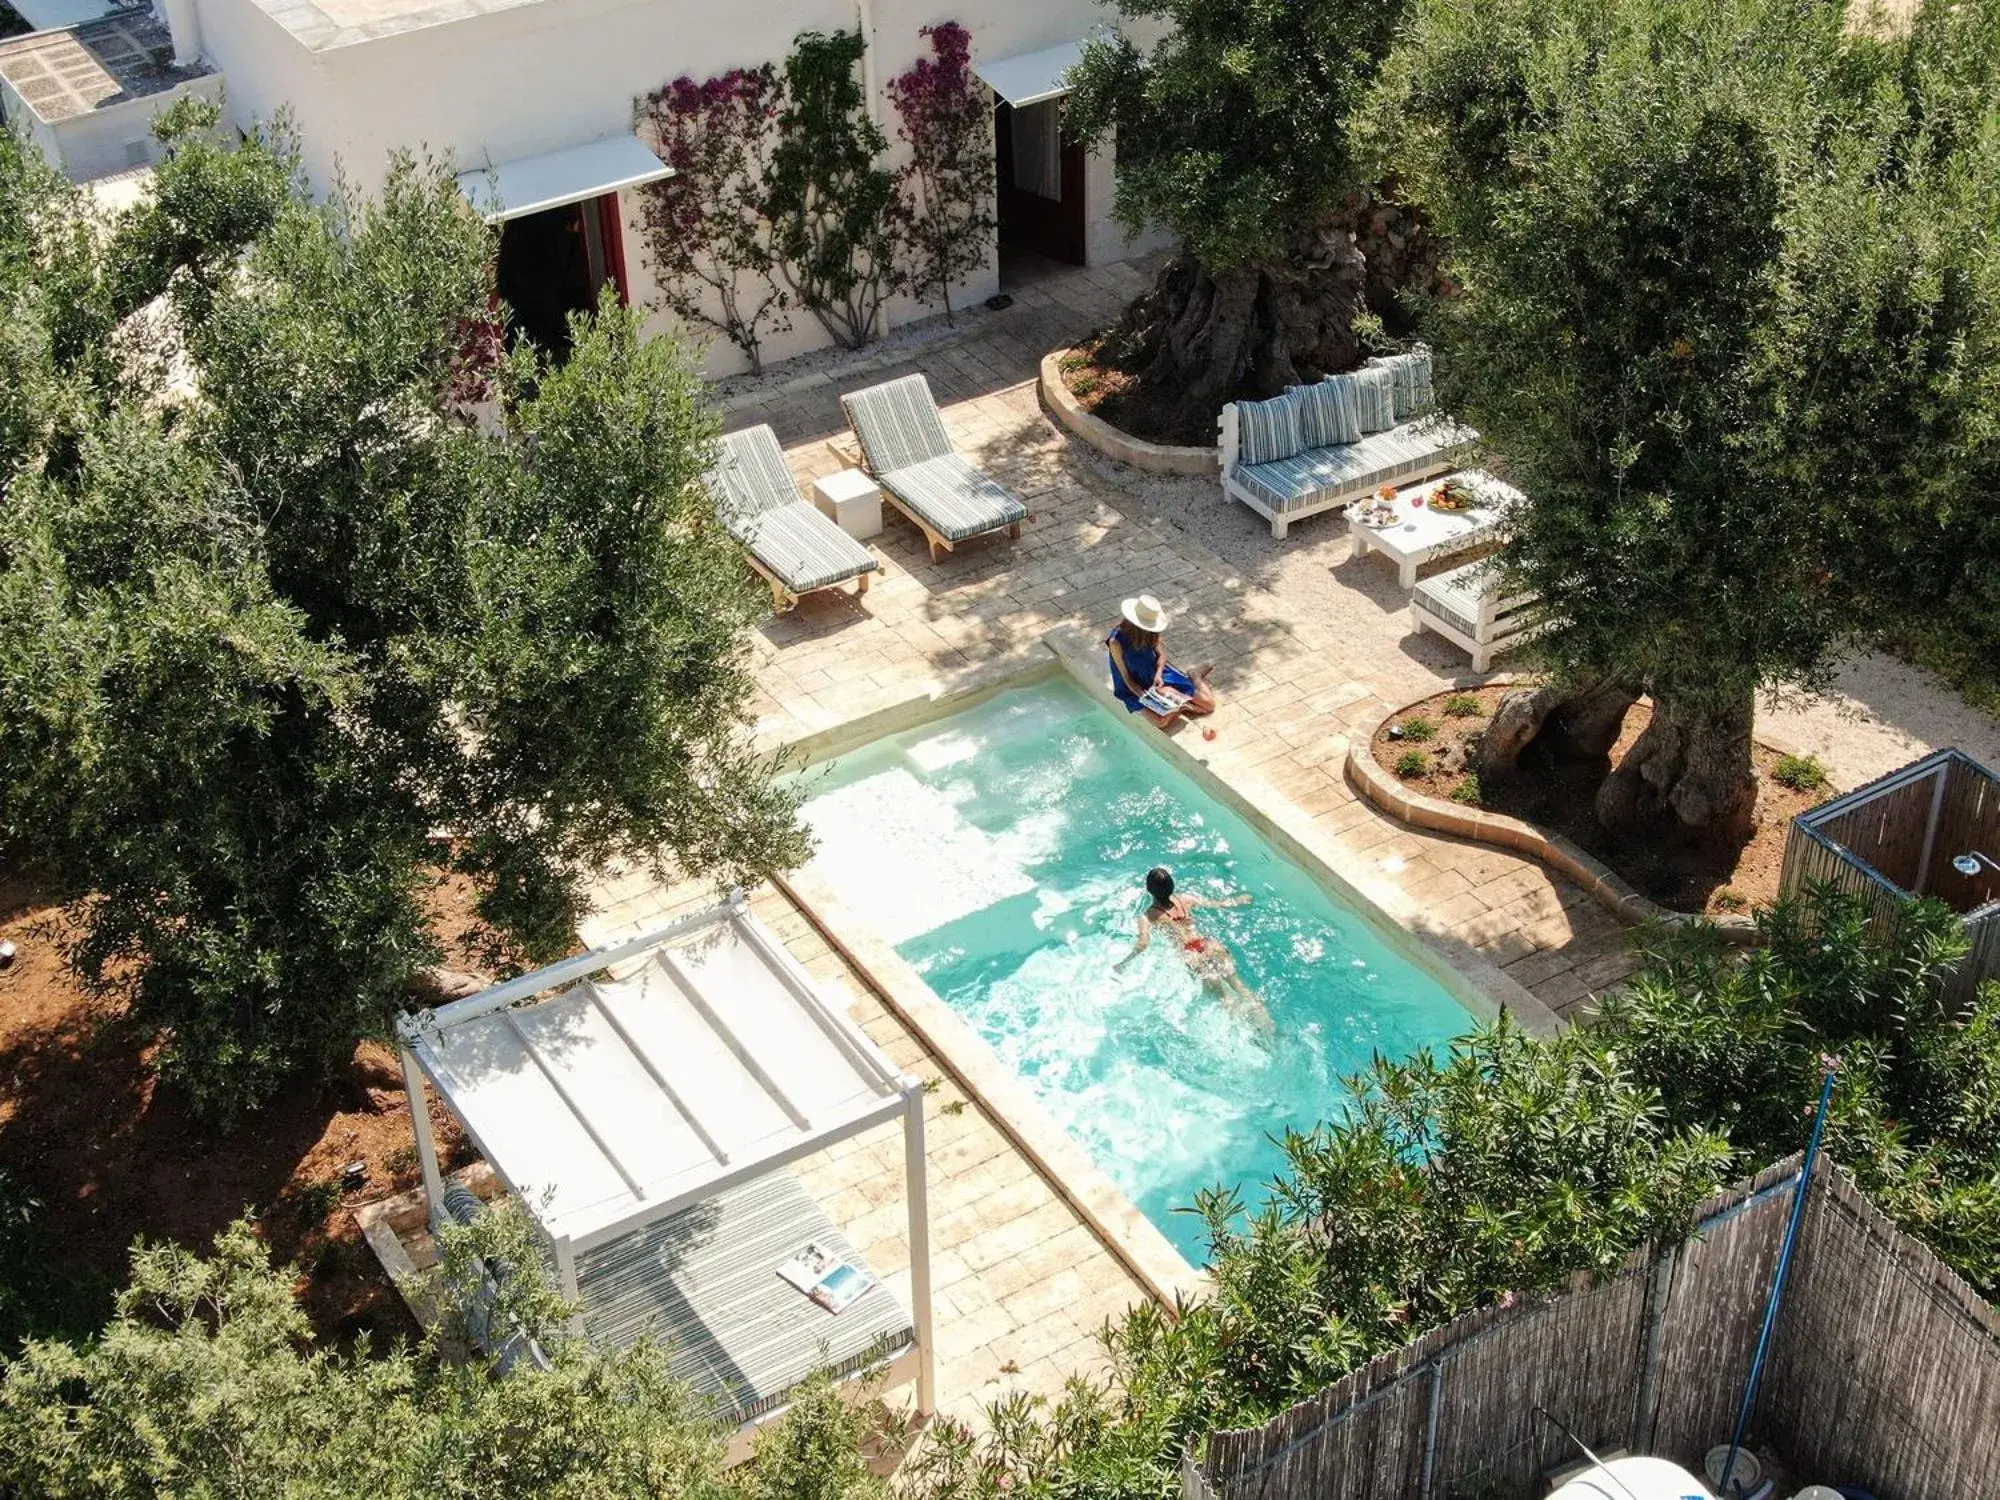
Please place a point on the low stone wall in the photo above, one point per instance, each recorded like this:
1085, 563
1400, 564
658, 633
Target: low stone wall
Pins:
1611, 891
1152, 458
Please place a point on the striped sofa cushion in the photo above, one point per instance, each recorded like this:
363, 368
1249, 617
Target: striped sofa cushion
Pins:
954, 499
803, 547
1267, 430
1375, 398
1329, 414
897, 424
1412, 373
1380, 458
750, 473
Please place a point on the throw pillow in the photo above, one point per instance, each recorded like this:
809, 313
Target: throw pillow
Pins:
1267, 431
1412, 372
1375, 396
1329, 416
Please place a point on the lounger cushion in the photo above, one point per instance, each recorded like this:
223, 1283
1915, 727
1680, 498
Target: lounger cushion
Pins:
802, 547
750, 473
897, 424
1458, 596
954, 499
704, 1283
1411, 371
1329, 413
1375, 398
1380, 458
1267, 431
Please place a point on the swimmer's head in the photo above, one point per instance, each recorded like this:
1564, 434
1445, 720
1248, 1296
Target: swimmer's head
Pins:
1160, 884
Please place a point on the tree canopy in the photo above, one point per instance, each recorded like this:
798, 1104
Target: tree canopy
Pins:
1727, 305
306, 592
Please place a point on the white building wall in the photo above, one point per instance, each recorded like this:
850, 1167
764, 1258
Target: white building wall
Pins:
542, 76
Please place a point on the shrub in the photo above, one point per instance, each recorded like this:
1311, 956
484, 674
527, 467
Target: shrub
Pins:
1463, 706
945, 203
1802, 773
1412, 763
1418, 730
1730, 900
1467, 791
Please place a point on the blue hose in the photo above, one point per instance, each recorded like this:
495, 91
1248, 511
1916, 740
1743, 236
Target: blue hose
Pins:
1778, 1284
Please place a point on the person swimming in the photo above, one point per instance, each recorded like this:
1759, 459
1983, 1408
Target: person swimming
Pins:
1208, 957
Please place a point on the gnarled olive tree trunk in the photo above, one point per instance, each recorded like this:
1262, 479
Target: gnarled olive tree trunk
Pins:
1199, 339
1690, 765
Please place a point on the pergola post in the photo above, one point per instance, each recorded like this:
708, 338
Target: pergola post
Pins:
918, 1190
420, 1122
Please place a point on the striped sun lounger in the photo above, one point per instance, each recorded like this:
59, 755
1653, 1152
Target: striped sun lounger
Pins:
795, 548
903, 444
704, 1283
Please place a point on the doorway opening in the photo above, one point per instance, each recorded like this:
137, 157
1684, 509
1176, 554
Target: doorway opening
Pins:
1039, 192
554, 263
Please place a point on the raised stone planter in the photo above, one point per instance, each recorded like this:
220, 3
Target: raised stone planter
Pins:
1152, 458
1610, 890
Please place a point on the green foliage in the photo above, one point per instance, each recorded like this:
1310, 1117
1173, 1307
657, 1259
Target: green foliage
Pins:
830, 202
1737, 1043
944, 209
1802, 773
816, 1453
1412, 763
206, 1382
265, 632
1728, 305
1468, 791
1463, 706
1418, 730
1232, 129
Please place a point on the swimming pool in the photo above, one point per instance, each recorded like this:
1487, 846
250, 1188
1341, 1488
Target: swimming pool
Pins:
1002, 851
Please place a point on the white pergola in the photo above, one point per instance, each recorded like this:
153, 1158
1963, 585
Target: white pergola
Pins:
620, 1087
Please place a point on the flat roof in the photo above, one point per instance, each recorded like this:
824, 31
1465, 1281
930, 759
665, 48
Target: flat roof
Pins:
322, 25
66, 74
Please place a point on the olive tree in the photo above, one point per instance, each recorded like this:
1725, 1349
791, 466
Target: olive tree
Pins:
1231, 132
1724, 306
285, 633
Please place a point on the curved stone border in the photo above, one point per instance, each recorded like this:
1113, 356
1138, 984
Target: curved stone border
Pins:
1610, 889
1153, 458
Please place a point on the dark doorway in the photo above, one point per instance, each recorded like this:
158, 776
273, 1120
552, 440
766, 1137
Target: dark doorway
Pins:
556, 262
1040, 187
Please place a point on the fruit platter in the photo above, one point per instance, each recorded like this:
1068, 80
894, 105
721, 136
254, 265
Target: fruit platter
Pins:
1454, 495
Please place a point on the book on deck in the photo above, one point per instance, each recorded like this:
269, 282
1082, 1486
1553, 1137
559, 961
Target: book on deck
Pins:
828, 1280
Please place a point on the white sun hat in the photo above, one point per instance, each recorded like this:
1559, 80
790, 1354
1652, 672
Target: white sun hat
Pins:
1145, 613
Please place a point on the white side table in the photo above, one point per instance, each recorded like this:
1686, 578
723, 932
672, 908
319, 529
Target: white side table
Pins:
851, 501
1421, 534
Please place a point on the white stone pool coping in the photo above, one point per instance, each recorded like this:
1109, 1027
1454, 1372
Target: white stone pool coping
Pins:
1469, 977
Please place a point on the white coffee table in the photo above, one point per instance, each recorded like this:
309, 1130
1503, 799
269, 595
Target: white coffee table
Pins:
1420, 534
851, 501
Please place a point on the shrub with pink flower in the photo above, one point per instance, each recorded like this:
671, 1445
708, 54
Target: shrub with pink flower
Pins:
945, 190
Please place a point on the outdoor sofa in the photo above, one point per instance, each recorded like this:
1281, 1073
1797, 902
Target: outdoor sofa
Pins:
1318, 447
903, 445
792, 546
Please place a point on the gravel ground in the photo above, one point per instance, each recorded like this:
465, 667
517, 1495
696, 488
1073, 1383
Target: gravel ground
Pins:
1880, 713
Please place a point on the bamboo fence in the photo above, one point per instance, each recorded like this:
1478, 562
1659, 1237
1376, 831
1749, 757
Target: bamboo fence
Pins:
1895, 838
1886, 1372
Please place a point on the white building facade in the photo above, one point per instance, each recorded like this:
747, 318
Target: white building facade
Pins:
537, 96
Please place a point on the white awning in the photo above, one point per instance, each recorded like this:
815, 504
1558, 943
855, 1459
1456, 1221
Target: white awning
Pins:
529, 184
624, 1084
1033, 76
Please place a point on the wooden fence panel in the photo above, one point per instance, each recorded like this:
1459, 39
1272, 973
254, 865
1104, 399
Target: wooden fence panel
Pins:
1885, 1367
1889, 829
1968, 822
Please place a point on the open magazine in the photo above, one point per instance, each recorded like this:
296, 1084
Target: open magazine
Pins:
1163, 699
825, 1278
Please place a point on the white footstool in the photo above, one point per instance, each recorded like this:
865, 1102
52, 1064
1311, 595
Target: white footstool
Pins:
851, 501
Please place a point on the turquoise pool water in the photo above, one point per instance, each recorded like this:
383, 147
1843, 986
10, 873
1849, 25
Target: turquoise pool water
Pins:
1003, 851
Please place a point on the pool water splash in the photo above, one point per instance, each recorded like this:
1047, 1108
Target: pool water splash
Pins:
1004, 852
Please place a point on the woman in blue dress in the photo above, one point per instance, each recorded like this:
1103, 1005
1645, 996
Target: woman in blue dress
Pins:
1139, 667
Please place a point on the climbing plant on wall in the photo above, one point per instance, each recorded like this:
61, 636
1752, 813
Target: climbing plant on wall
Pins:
707, 236
830, 200
945, 190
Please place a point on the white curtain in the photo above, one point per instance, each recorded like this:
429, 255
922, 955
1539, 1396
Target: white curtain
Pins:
1038, 149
